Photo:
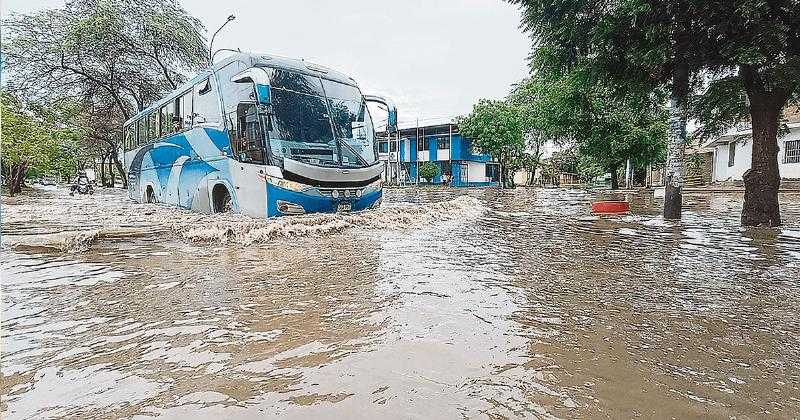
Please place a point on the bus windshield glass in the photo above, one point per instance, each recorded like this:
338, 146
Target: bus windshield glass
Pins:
352, 124
309, 126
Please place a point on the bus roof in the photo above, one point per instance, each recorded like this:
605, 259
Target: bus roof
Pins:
255, 60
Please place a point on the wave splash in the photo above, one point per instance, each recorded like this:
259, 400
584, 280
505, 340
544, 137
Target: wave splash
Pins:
390, 217
74, 225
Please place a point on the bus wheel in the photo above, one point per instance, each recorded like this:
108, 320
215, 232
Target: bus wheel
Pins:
150, 197
222, 200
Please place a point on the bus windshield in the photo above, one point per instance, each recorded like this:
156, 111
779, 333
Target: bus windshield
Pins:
319, 122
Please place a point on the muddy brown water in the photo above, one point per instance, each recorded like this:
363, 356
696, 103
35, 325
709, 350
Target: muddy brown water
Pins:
443, 304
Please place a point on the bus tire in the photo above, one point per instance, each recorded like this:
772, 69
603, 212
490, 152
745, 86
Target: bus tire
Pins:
221, 199
150, 196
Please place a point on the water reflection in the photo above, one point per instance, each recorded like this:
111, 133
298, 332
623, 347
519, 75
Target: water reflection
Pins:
507, 304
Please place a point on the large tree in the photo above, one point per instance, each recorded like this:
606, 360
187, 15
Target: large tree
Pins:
678, 44
757, 55
636, 43
496, 127
608, 125
118, 55
30, 142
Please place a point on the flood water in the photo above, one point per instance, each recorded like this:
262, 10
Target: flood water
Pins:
442, 304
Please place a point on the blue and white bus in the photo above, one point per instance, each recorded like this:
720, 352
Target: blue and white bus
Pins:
260, 135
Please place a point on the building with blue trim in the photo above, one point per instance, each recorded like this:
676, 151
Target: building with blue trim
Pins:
459, 165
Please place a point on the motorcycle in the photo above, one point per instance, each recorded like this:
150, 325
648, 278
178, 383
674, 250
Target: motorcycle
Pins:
82, 186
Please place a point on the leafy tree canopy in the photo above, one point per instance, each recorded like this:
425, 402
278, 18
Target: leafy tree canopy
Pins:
428, 171
497, 128
113, 57
35, 140
130, 50
606, 124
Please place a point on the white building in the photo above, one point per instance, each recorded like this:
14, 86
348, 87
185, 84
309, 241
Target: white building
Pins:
733, 153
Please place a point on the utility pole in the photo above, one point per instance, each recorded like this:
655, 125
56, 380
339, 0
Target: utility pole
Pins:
416, 150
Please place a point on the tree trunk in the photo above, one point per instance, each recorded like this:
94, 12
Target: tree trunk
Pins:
103, 170
762, 180
614, 177
120, 169
676, 142
532, 174
15, 178
112, 176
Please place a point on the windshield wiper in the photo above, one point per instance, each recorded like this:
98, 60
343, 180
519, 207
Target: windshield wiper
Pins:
358, 156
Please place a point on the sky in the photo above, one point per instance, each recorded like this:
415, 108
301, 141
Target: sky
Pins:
435, 59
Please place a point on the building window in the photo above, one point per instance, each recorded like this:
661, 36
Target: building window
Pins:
393, 146
791, 153
492, 172
443, 143
731, 153
383, 147
422, 145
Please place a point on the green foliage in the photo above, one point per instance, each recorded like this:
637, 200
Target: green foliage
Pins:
34, 143
588, 169
496, 128
25, 139
428, 171
607, 126
123, 52
637, 45
107, 59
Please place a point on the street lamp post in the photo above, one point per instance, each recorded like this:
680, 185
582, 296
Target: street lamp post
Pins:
211, 44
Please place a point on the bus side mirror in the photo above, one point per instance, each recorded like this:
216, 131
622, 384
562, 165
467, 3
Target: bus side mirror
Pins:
391, 108
258, 77
263, 94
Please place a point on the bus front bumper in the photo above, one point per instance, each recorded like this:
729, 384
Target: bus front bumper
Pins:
284, 201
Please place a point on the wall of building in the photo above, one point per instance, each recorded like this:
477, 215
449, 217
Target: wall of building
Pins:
477, 172
458, 152
743, 156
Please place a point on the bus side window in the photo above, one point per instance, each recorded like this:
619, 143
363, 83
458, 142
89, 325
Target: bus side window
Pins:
152, 126
166, 113
142, 127
186, 108
206, 103
130, 133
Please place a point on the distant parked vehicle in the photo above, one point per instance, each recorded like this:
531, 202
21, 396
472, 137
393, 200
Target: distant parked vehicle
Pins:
47, 180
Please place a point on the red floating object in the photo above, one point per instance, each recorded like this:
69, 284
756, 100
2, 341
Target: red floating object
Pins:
611, 207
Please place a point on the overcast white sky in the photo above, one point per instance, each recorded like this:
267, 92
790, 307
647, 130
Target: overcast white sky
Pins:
435, 58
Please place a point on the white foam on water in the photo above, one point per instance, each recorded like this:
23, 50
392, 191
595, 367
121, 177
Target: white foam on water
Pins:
110, 215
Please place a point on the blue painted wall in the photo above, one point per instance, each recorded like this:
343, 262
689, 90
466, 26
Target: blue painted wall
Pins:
459, 150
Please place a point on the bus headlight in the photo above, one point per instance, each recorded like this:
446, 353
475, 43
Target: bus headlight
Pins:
287, 185
335, 193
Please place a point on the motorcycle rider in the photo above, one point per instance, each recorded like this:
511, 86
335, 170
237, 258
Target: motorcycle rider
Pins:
82, 185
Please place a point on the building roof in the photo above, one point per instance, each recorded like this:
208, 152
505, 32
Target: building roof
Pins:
743, 130
742, 134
